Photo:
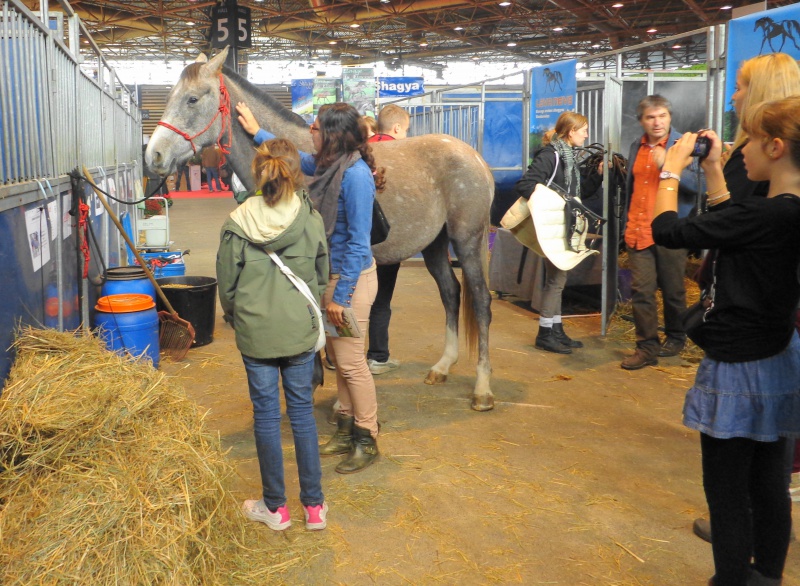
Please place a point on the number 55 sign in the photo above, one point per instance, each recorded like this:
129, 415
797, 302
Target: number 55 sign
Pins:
230, 26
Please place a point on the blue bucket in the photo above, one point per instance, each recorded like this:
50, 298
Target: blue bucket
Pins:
128, 323
122, 280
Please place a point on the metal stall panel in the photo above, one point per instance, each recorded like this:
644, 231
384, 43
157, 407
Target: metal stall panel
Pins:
53, 119
23, 98
612, 206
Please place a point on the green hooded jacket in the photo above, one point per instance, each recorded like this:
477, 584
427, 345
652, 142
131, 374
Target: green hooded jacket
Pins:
272, 319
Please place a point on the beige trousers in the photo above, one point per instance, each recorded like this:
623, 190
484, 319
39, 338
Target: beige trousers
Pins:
354, 382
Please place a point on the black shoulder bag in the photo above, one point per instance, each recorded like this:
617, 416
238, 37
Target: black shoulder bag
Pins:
380, 225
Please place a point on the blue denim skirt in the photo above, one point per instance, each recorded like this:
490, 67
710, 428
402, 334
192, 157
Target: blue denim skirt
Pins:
759, 400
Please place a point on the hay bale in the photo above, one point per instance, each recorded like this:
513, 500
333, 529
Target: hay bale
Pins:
110, 476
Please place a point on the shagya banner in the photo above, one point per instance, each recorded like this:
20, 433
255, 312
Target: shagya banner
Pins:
398, 87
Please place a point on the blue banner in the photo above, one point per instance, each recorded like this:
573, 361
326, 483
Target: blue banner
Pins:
769, 31
398, 87
303, 98
553, 91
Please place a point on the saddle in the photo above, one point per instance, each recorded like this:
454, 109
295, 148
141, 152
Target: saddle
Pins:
553, 224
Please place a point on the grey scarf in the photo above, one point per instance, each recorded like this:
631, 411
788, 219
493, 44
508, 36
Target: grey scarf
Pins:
325, 187
571, 173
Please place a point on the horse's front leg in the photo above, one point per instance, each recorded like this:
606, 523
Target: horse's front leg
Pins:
438, 265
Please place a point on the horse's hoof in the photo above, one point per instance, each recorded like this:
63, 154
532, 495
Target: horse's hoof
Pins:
483, 403
435, 378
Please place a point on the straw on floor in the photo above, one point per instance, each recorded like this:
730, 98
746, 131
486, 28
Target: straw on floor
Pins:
107, 476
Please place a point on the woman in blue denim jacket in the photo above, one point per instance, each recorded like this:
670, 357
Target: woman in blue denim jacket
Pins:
343, 191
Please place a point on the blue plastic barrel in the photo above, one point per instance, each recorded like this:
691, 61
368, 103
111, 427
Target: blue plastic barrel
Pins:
128, 323
122, 280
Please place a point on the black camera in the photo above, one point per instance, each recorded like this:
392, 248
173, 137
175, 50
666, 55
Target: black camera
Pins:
702, 147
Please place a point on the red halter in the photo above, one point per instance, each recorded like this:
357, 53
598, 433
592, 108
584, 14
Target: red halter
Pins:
224, 110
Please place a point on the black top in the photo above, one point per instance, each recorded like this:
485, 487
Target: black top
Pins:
541, 169
736, 178
757, 288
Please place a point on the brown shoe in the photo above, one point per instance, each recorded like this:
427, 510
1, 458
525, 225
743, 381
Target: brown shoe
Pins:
639, 359
671, 347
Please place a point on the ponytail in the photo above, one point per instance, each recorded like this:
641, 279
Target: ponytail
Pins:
276, 170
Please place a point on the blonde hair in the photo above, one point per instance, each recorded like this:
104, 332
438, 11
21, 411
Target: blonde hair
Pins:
767, 77
276, 170
391, 115
566, 123
776, 119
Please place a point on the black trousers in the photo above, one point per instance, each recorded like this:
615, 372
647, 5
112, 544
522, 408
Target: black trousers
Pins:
751, 512
381, 313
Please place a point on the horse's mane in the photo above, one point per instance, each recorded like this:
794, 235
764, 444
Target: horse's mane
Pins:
271, 102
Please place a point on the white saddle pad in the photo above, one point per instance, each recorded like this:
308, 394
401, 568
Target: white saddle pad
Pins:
547, 210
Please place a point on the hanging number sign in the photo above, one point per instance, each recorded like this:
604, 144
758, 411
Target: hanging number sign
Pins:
230, 26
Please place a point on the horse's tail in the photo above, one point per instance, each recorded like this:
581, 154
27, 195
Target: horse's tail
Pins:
467, 300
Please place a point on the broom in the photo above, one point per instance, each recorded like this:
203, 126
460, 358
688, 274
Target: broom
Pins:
176, 335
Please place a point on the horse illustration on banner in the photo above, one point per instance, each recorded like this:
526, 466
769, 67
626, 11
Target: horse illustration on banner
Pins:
771, 30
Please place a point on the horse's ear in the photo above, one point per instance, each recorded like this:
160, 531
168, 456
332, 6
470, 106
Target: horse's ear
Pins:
201, 58
218, 60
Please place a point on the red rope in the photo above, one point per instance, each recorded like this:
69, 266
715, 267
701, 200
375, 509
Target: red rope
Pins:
224, 110
83, 227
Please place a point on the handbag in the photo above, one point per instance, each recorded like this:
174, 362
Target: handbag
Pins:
380, 225
695, 315
303, 288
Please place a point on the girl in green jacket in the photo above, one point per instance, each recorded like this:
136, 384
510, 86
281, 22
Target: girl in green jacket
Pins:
276, 326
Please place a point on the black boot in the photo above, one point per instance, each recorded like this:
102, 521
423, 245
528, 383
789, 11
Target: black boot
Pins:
546, 340
561, 336
342, 441
364, 452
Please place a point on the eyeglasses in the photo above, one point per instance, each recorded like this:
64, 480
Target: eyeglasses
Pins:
313, 129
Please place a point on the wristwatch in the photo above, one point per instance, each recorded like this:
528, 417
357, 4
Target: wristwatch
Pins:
669, 175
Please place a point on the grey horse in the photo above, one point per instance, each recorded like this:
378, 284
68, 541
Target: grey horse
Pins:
438, 191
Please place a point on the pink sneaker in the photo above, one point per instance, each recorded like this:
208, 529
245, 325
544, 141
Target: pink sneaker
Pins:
316, 517
258, 511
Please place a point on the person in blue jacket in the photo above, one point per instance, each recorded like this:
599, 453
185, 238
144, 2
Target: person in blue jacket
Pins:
343, 191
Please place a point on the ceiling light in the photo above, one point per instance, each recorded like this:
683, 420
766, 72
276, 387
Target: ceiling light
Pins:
676, 46
475, 58
726, 7
511, 44
189, 24
423, 43
617, 5
652, 30
459, 28
385, 1
188, 42
558, 29
595, 46
355, 25
504, 3
332, 42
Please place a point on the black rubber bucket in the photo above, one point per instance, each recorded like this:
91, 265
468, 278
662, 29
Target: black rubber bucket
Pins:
195, 300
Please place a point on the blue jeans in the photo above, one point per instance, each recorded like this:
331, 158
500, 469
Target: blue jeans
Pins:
262, 379
213, 173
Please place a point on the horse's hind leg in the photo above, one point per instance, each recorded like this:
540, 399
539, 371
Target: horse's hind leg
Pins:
438, 265
473, 255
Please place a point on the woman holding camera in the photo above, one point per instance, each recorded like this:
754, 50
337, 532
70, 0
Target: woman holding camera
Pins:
766, 77
745, 400
555, 162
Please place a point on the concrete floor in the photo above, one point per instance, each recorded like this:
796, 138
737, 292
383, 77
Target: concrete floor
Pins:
582, 475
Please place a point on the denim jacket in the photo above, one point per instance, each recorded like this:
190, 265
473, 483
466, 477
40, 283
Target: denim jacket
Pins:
350, 251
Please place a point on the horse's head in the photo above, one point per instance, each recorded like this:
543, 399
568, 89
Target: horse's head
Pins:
193, 117
762, 22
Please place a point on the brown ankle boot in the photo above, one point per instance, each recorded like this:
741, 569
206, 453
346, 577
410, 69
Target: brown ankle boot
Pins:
363, 454
342, 441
